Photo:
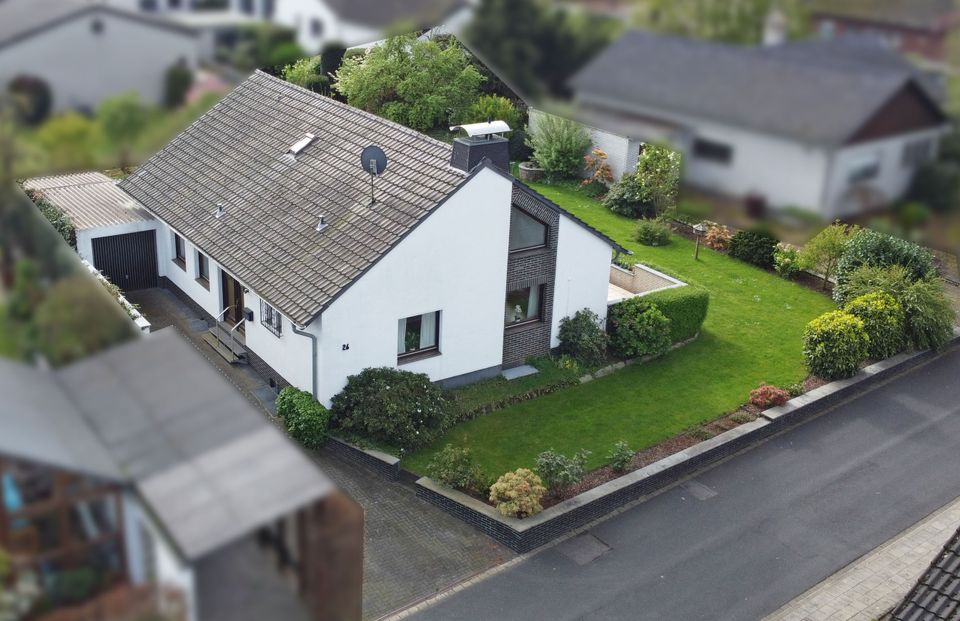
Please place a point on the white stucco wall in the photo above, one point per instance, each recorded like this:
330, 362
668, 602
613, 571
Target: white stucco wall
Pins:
299, 14
622, 152
85, 237
454, 262
83, 68
583, 273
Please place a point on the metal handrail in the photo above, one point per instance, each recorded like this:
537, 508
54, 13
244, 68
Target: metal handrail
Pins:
234, 329
219, 322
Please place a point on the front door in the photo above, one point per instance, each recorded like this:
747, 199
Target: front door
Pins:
232, 299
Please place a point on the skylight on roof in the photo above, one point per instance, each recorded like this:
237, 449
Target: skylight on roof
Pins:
301, 144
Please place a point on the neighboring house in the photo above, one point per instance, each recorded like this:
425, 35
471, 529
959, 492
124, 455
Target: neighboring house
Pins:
936, 596
264, 221
914, 27
145, 468
357, 22
836, 127
87, 51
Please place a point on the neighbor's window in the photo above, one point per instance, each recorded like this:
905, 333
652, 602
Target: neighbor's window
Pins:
523, 305
179, 251
526, 232
316, 27
418, 334
917, 152
864, 168
270, 318
203, 269
713, 151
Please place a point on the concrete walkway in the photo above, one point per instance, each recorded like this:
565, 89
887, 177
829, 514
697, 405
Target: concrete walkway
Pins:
873, 584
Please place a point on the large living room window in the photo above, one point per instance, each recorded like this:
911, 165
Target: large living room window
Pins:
418, 335
526, 232
270, 318
179, 251
523, 306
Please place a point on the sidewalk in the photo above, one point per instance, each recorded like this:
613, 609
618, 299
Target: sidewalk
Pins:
876, 582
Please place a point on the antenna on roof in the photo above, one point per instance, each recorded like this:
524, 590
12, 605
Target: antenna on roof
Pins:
221, 210
374, 161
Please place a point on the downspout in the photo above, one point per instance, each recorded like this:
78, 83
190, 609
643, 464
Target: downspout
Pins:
313, 358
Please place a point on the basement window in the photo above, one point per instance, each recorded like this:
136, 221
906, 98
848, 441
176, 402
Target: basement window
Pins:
270, 318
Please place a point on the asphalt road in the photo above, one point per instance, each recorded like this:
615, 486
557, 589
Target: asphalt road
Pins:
785, 515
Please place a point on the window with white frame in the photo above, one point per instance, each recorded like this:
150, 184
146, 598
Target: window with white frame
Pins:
270, 318
864, 168
917, 152
419, 334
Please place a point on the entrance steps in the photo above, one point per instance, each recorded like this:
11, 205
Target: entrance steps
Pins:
228, 349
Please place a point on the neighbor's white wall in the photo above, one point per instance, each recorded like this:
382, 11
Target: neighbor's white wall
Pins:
85, 237
892, 181
621, 152
454, 262
298, 14
83, 68
583, 273
169, 569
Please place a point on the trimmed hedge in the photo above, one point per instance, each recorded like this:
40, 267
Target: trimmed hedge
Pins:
305, 418
639, 329
685, 307
754, 247
882, 318
834, 345
869, 247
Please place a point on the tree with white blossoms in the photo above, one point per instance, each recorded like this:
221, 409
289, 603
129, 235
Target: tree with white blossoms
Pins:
17, 593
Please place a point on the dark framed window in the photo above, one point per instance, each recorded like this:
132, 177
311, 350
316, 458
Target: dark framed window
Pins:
526, 232
418, 335
864, 169
270, 318
712, 151
96, 26
148, 5
316, 27
179, 251
523, 306
203, 269
917, 152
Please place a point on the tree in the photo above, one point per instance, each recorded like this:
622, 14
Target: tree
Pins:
728, 21
122, 120
824, 251
493, 108
33, 98
420, 84
70, 141
306, 74
176, 84
651, 188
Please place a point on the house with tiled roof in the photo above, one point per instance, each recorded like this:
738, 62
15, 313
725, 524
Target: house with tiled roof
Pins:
267, 220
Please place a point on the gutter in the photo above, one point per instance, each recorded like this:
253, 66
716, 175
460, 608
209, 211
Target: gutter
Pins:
313, 359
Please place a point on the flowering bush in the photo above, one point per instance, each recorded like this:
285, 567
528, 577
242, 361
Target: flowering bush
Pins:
639, 328
834, 345
304, 417
882, 318
559, 471
786, 260
718, 237
599, 173
768, 396
400, 408
518, 494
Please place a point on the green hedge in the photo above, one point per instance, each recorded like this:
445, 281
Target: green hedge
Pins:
686, 307
305, 418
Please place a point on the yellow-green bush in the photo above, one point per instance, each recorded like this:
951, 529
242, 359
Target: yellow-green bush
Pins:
882, 318
834, 345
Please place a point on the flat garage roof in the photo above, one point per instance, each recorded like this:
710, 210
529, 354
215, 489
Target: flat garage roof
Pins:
91, 200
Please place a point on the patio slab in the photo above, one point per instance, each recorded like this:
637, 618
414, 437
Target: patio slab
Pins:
521, 371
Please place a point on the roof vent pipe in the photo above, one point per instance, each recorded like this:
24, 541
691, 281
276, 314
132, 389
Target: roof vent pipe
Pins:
322, 224
221, 211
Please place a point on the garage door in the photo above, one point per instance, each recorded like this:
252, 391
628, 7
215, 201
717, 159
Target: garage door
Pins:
129, 261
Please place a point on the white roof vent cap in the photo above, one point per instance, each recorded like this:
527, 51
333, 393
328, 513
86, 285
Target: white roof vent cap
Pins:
477, 130
301, 144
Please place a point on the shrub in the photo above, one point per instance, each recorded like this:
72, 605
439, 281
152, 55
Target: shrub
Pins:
558, 471
176, 84
870, 247
639, 328
929, 314
685, 307
282, 55
621, 456
306, 73
796, 389
400, 408
305, 418
653, 233
56, 217
823, 251
518, 494
834, 345
629, 197
583, 338
558, 145
768, 396
493, 108
882, 318
651, 188
893, 279
754, 247
454, 467
718, 237
786, 260
32, 97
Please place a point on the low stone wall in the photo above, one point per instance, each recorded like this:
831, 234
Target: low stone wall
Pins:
385, 465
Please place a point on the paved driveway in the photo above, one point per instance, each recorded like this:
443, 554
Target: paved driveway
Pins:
753, 532
412, 548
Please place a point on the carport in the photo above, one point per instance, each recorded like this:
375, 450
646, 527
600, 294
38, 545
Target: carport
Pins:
114, 233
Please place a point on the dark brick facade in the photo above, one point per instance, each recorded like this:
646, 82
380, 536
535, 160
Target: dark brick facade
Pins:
532, 268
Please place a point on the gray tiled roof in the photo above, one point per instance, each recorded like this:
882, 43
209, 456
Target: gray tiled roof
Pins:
235, 155
909, 13
385, 13
89, 199
796, 92
936, 596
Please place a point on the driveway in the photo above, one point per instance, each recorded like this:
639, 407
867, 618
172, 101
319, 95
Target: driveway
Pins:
413, 550
748, 535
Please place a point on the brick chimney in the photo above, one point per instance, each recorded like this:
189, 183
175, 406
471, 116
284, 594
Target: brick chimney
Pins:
483, 140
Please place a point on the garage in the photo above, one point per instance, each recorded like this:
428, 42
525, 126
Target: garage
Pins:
114, 233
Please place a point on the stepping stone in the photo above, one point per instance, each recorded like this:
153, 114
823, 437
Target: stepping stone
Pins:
521, 371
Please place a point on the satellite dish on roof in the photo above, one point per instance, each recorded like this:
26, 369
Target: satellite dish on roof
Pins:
373, 160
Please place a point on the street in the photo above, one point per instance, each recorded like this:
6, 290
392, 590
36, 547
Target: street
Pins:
755, 531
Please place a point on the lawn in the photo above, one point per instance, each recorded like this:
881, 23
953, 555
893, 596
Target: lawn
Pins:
752, 334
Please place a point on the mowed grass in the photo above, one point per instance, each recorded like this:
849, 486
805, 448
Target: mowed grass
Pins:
752, 334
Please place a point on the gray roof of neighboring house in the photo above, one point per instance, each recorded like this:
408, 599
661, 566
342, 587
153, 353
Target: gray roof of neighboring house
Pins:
936, 596
927, 14
386, 13
157, 415
799, 91
90, 200
20, 19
